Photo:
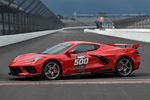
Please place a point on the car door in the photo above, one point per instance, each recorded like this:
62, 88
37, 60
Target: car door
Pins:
81, 60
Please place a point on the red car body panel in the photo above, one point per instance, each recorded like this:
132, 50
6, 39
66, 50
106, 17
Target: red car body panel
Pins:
103, 58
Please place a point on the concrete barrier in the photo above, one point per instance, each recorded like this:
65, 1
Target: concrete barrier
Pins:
132, 34
10, 39
129, 30
80, 27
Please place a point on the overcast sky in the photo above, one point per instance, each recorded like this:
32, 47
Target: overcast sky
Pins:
67, 7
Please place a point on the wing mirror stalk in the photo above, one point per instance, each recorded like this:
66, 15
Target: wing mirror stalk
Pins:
70, 52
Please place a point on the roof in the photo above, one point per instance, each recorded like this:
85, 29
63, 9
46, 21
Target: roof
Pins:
80, 42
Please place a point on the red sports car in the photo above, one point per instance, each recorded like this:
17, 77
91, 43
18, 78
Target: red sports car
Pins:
78, 57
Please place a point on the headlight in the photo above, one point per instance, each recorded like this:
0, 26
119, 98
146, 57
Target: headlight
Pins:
35, 59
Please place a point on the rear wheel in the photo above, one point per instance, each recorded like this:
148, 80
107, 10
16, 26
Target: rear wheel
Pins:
51, 70
124, 67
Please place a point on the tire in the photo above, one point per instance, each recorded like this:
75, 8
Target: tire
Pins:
51, 70
124, 67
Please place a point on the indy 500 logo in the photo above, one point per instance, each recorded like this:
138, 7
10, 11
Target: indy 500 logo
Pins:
81, 60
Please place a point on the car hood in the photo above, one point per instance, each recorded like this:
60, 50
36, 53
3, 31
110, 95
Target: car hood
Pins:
28, 56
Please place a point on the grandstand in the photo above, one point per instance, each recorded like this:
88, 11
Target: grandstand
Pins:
138, 21
21, 16
88, 21
71, 22
116, 21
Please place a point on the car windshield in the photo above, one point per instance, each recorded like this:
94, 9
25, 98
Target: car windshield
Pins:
57, 49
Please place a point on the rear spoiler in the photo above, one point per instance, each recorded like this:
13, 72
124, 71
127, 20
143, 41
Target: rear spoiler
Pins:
135, 46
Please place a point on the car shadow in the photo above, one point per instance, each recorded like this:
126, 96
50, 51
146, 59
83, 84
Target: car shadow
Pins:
83, 77
24, 78
95, 76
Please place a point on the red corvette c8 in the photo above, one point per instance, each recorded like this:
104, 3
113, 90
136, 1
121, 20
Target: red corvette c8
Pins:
78, 57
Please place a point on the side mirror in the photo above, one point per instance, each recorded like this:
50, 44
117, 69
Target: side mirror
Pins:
70, 52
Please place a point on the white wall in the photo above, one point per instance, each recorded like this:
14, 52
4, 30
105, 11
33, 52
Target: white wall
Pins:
10, 39
132, 34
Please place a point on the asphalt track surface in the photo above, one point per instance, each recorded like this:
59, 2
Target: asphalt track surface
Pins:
75, 87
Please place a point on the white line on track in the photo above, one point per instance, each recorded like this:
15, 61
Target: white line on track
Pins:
78, 82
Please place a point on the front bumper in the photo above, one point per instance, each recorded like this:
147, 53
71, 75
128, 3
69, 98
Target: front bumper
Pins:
23, 71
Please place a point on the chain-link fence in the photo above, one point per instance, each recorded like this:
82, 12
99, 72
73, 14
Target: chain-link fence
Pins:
20, 16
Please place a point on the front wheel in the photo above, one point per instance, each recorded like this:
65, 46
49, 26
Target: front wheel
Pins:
124, 67
51, 70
